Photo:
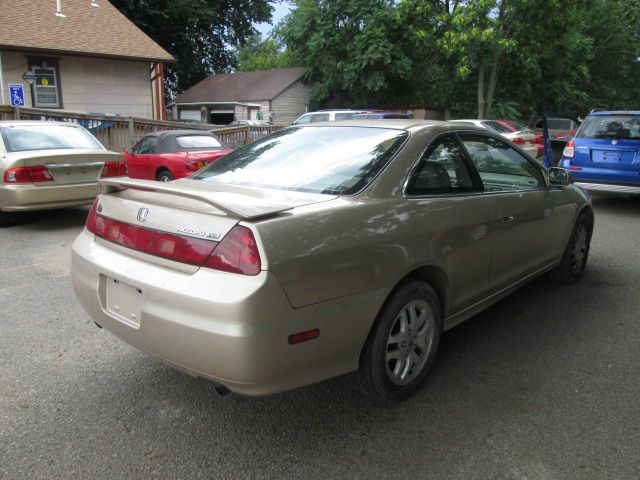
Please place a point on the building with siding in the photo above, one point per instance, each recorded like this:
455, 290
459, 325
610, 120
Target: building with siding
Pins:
278, 94
80, 55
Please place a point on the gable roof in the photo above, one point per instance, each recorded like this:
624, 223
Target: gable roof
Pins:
85, 30
242, 86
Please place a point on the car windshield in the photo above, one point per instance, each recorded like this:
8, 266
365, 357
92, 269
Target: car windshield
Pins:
22, 138
611, 126
193, 142
335, 160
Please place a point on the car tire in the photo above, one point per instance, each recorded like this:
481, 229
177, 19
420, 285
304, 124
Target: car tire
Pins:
165, 176
574, 259
402, 346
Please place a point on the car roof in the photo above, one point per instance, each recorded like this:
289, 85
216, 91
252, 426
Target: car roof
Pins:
389, 123
17, 123
616, 112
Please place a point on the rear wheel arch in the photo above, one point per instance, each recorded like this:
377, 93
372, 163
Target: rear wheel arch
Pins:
431, 275
161, 170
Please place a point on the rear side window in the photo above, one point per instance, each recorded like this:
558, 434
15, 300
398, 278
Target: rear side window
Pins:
501, 167
147, 145
611, 126
344, 116
441, 170
192, 142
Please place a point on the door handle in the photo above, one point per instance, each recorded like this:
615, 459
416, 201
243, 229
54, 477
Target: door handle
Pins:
508, 218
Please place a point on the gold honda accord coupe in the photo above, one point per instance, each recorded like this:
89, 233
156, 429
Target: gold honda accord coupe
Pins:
46, 165
326, 249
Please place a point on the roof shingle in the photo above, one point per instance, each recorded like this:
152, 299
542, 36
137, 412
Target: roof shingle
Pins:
242, 86
85, 30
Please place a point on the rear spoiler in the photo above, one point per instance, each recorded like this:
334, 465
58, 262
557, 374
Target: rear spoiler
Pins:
234, 202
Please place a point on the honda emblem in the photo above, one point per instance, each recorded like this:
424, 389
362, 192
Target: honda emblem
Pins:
142, 214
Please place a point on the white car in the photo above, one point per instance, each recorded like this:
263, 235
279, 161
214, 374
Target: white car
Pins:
522, 139
326, 116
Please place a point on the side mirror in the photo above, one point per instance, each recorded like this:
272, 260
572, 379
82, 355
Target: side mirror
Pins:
559, 177
129, 150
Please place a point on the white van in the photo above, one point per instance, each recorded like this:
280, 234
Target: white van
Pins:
326, 116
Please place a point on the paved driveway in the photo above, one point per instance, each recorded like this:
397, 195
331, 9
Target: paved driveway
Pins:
544, 385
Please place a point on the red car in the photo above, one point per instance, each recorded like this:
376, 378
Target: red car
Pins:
172, 154
518, 127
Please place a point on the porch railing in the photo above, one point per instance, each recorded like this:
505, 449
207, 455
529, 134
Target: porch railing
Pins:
118, 132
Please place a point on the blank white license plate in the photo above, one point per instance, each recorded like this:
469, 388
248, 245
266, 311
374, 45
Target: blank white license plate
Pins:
124, 302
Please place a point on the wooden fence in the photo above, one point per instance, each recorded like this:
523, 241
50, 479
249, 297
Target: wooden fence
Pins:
118, 132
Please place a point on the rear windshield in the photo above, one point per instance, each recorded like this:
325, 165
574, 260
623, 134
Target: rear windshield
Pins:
335, 160
611, 126
518, 127
193, 142
496, 127
48, 137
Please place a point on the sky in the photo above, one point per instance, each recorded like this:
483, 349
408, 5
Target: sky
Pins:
280, 10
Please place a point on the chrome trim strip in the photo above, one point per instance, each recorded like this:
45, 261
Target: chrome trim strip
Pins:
57, 166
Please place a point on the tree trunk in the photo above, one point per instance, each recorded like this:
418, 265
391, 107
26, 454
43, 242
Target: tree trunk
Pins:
481, 100
493, 80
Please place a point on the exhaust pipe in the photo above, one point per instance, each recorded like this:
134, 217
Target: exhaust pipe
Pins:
222, 390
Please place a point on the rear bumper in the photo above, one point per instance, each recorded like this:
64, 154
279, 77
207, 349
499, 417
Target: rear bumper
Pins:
608, 187
15, 198
604, 179
230, 328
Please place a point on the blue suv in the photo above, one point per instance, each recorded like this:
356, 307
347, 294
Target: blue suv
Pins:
604, 154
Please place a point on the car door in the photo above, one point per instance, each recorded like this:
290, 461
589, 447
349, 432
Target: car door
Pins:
138, 165
456, 219
529, 218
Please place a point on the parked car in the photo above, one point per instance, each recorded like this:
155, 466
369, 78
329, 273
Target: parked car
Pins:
172, 154
45, 165
518, 127
326, 116
325, 249
604, 154
561, 129
522, 139
250, 122
379, 115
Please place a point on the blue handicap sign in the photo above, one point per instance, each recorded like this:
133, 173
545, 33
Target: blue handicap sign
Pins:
16, 93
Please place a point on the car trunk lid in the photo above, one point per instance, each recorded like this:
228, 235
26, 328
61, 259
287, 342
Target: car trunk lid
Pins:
69, 167
190, 209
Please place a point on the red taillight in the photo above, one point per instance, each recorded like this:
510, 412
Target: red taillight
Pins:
35, 174
236, 253
178, 248
114, 169
194, 165
570, 150
304, 336
518, 141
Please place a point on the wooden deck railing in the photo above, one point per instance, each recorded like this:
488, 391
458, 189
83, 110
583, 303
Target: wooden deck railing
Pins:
118, 132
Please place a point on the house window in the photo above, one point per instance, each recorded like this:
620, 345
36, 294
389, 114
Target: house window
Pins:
46, 88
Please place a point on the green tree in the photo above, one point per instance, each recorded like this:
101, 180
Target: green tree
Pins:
258, 54
198, 33
352, 48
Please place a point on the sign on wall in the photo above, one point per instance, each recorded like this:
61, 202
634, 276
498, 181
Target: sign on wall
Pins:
16, 94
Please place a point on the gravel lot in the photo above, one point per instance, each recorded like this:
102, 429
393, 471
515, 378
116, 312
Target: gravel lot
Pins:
544, 385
